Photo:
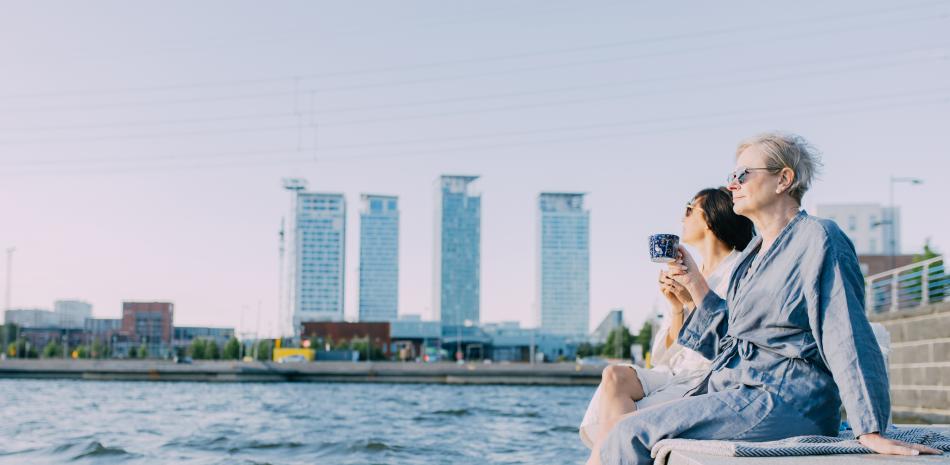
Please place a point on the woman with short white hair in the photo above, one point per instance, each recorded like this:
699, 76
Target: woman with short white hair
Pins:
789, 340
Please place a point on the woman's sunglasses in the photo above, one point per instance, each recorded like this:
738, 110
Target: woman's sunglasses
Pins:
740, 174
689, 208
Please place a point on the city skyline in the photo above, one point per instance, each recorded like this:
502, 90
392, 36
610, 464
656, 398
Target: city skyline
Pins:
138, 166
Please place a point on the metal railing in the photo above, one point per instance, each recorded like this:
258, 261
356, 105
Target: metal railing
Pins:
908, 286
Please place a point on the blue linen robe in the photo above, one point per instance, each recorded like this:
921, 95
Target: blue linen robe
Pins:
790, 344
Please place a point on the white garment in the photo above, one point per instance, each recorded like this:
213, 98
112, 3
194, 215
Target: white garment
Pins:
677, 359
675, 368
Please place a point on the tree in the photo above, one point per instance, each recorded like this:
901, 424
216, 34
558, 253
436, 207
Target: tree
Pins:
618, 343
198, 349
264, 349
98, 350
143, 351
133, 352
232, 349
211, 350
53, 350
645, 337
585, 349
375, 352
935, 275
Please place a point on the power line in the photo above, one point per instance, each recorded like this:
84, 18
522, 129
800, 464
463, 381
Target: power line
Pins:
283, 36
516, 56
296, 114
781, 110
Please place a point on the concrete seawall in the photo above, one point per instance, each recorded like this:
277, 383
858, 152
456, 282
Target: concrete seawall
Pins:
919, 362
565, 374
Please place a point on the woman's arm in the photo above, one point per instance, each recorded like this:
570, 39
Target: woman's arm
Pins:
675, 294
708, 323
677, 312
846, 341
849, 348
676, 324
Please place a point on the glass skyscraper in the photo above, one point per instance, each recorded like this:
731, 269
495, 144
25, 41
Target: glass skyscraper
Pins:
319, 242
457, 267
563, 285
379, 258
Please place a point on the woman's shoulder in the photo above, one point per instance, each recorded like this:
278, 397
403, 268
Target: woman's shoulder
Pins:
825, 232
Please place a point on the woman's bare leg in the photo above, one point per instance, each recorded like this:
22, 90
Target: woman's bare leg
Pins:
621, 388
594, 458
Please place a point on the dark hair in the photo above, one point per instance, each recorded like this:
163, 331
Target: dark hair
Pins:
730, 228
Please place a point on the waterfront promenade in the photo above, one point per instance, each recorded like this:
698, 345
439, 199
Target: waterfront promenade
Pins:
559, 374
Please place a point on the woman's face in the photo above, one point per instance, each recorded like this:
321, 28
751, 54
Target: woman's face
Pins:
756, 187
694, 223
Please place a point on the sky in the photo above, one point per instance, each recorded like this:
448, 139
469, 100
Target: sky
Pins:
142, 144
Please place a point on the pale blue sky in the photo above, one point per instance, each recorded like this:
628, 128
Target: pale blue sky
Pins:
142, 143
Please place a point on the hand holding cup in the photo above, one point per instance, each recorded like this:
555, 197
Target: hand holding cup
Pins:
684, 271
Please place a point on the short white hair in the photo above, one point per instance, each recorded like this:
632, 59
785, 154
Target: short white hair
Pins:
785, 150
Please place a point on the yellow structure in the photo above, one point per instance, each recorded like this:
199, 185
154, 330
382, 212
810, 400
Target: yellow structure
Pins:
280, 353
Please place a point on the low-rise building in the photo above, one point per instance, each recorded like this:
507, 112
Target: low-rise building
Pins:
102, 329
414, 339
184, 335
511, 342
72, 314
334, 332
31, 318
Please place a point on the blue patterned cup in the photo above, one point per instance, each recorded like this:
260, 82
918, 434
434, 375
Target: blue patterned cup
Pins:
663, 247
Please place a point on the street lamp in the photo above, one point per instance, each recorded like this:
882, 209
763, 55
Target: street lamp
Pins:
892, 227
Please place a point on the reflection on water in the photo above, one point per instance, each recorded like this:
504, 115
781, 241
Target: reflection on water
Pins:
48, 422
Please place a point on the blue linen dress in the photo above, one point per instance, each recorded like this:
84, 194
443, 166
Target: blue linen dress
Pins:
790, 344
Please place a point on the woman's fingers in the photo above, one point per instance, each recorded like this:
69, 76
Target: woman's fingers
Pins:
883, 445
926, 450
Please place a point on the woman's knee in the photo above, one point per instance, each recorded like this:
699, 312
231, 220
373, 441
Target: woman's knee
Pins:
618, 377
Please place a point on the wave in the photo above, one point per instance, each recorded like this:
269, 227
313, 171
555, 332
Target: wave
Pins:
96, 449
374, 446
453, 412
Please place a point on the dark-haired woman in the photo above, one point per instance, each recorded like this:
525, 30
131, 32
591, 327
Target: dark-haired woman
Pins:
712, 227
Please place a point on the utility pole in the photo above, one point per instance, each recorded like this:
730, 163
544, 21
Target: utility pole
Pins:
295, 186
281, 307
10, 251
893, 222
6, 306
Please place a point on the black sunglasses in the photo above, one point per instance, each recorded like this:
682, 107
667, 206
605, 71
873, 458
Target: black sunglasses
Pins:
740, 174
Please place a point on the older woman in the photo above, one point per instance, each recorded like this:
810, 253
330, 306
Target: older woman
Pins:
719, 234
790, 341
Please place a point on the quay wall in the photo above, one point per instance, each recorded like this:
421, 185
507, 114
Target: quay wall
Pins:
567, 374
919, 362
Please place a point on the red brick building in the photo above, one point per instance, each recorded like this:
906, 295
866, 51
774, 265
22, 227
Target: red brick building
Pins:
149, 323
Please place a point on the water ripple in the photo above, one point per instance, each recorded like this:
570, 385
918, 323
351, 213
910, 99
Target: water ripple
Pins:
65, 421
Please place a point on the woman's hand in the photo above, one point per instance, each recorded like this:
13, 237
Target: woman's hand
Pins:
675, 293
882, 445
685, 272
676, 305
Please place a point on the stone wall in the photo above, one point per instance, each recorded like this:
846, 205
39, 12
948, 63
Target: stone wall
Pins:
919, 362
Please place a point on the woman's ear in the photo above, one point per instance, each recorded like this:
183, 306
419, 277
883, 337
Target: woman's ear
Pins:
786, 177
